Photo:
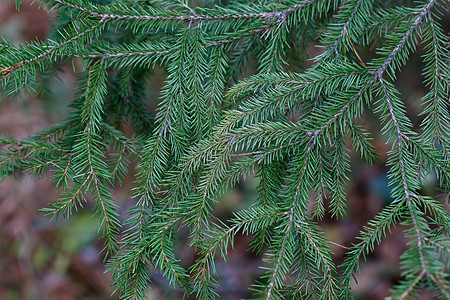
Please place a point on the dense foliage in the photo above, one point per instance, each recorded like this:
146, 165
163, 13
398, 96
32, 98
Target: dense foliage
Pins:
241, 98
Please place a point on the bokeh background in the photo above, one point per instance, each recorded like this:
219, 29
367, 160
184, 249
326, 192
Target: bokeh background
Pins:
43, 259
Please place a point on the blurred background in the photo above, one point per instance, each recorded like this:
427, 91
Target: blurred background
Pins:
43, 259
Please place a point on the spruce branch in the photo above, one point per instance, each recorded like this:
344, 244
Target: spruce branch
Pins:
338, 39
400, 139
281, 255
436, 124
49, 50
386, 219
419, 242
407, 35
221, 238
119, 138
441, 246
271, 16
136, 57
324, 255
411, 286
65, 205
240, 100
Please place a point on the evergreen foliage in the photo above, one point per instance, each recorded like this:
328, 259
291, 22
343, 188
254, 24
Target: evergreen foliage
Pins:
238, 100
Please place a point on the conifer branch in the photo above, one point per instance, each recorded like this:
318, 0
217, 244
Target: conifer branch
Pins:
54, 132
382, 222
224, 237
125, 144
123, 54
272, 16
439, 245
22, 64
436, 124
410, 288
291, 125
341, 112
414, 26
401, 137
63, 177
281, 254
418, 235
65, 204
317, 249
341, 35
